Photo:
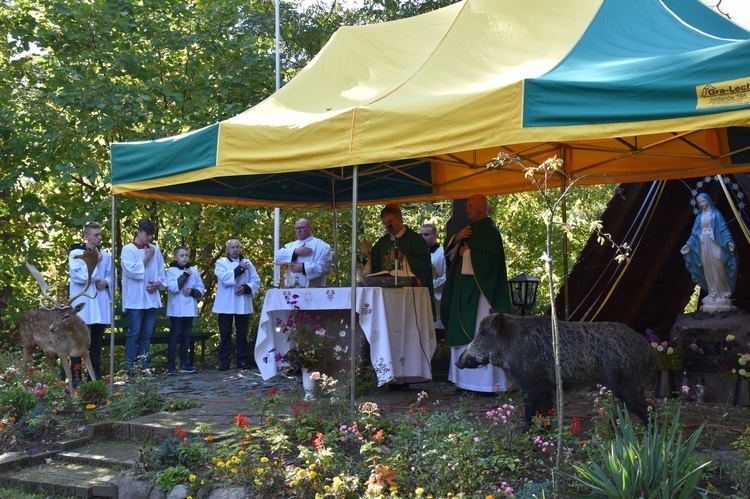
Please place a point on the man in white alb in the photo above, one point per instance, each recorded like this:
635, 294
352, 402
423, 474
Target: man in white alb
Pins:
308, 258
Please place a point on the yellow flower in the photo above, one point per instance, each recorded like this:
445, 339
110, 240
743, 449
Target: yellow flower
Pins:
326, 488
313, 474
117, 394
90, 407
54, 411
189, 497
220, 464
241, 453
312, 466
263, 459
419, 491
109, 402
12, 419
192, 478
261, 471
209, 438
337, 482
488, 497
258, 482
236, 460
292, 483
235, 470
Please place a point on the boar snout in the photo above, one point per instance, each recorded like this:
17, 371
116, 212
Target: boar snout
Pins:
469, 361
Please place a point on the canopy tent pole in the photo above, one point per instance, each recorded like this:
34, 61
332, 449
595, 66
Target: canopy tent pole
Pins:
112, 290
336, 258
276, 211
353, 314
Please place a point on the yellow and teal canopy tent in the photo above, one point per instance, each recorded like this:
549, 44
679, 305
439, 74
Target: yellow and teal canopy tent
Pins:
633, 90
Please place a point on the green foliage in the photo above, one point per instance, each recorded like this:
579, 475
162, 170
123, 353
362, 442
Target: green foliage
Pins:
743, 445
16, 402
179, 405
171, 477
656, 463
92, 392
168, 453
36, 423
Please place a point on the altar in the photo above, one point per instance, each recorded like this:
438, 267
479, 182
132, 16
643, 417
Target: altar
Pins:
397, 323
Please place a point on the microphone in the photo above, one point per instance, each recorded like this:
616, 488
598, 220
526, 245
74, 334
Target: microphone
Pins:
389, 228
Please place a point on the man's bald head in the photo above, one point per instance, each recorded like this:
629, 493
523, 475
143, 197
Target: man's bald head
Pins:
477, 207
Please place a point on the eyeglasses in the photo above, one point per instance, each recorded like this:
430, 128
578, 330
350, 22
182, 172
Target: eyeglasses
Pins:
302, 228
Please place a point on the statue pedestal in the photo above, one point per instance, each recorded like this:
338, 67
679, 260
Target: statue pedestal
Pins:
709, 330
713, 304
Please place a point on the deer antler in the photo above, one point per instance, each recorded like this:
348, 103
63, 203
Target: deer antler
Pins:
42, 285
91, 258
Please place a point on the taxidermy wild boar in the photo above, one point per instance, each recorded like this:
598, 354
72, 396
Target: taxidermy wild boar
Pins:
608, 353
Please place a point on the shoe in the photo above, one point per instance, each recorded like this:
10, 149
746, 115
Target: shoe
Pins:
245, 367
187, 369
224, 367
171, 371
147, 372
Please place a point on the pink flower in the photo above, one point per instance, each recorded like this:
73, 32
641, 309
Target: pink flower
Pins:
315, 376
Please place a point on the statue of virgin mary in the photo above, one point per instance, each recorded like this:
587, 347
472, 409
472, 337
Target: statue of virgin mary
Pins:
711, 258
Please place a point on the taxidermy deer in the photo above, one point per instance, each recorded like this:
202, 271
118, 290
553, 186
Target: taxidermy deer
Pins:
57, 329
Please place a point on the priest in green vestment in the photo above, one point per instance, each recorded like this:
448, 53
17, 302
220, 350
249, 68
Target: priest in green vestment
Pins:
413, 253
477, 282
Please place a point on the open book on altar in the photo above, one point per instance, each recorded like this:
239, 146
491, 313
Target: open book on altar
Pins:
388, 279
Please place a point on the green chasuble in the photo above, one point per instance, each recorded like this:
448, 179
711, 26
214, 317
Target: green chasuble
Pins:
461, 293
412, 245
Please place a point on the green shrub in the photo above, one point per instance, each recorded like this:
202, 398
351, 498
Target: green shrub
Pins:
93, 392
17, 402
168, 453
171, 477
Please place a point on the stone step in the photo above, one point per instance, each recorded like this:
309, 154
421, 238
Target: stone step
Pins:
56, 477
90, 466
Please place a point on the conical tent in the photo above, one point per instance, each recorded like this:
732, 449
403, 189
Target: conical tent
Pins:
628, 89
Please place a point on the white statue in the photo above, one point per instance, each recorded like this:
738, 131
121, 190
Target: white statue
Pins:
710, 257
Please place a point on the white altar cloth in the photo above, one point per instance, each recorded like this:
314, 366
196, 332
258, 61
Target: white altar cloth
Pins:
397, 323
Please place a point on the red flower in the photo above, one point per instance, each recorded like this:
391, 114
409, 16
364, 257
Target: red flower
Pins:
318, 441
241, 420
271, 392
379, 436
180, 433
575, 427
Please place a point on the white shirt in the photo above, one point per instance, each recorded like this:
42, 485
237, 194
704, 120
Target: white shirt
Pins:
438, 280
179, 305
135, 278
317, 265
97, 310
226, 302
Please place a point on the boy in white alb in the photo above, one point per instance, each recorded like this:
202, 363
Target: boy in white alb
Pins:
142, 278
185, 287
97, 313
